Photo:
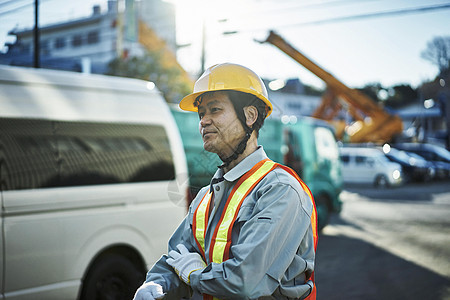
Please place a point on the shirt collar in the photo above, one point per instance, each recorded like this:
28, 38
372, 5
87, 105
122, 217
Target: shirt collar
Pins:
243, 167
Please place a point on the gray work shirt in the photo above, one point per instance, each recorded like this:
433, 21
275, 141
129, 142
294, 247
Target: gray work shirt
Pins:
272, 250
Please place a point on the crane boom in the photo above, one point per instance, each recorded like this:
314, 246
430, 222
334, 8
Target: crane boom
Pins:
377, 126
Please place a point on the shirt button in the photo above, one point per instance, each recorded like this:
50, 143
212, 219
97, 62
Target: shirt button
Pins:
217, 188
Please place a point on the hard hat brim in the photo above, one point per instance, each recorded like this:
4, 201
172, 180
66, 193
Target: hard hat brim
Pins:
187, 103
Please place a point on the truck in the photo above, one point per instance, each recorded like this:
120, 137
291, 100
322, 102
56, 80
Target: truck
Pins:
307, 145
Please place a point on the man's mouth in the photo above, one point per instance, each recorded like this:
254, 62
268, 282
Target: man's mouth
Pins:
205, 133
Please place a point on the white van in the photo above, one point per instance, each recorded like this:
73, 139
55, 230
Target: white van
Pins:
93, 183
369, 165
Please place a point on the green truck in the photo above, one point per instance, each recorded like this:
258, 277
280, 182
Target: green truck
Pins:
306, 145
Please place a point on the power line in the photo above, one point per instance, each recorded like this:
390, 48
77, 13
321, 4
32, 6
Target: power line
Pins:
13, 9
23, 6
402, 11
312, 5
287, 8
7, 2
374, 15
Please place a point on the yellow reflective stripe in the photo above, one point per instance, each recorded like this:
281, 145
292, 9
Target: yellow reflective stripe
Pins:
200, 220
222, 233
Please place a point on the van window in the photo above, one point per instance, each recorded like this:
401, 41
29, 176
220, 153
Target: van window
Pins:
345, 159
360, 159
43, 153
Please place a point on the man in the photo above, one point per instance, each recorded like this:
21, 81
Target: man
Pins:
250, 234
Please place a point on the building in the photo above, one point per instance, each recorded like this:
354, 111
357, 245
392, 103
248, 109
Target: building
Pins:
289, 99
425, 122
90, 43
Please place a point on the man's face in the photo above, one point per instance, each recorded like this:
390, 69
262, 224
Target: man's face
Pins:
219, 125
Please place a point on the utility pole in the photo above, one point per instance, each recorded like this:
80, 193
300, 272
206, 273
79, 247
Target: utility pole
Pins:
120, 26
37, 63
203, 55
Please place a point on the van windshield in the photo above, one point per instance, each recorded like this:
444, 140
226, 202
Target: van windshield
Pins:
326, 144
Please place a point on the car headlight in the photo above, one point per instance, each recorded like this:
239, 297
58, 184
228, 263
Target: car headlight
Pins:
396, 174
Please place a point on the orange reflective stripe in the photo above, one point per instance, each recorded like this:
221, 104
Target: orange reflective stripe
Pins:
221, 240
219, 248
200, 221
308, 192
313, 294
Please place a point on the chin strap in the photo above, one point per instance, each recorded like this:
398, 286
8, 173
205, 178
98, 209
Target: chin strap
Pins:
239, 150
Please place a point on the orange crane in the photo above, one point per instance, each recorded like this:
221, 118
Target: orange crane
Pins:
371, 123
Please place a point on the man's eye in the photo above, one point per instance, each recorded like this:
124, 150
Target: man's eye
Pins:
200, 115
214, 109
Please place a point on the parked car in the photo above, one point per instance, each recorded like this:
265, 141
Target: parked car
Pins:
369, 165
433, 153
414, 169
441, 169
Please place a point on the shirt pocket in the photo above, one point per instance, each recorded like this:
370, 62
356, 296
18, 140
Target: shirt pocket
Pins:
245, 213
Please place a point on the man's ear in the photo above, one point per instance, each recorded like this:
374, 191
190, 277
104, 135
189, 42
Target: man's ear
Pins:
251, 115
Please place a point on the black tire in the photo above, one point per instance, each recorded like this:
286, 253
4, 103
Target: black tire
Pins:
111, 277
381, 182
323, 211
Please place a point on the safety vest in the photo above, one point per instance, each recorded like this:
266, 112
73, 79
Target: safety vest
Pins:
219, 250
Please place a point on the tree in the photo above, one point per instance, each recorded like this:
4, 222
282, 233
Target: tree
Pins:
438, 53
401, 95
148, 67
312, 90
371, 90
395, 96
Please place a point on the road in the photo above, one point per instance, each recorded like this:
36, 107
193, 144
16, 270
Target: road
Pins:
387, 244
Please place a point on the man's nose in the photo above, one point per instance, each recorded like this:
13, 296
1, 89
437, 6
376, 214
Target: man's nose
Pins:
205, 120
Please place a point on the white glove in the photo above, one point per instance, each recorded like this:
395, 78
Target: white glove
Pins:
149, 291
185, 262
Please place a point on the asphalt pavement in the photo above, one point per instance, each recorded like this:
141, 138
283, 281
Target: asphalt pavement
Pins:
387, 244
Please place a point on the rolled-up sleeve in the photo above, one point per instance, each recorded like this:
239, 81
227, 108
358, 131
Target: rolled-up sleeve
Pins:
274, 247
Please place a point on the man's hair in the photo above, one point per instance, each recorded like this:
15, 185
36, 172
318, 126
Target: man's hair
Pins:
241, 100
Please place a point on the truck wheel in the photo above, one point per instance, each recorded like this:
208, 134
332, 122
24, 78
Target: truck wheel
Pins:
381, 181
112, 277
323, 211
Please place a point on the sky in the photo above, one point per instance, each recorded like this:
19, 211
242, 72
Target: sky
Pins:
357, 41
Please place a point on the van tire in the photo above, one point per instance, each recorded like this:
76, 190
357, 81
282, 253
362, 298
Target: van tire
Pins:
381, 181
111, 277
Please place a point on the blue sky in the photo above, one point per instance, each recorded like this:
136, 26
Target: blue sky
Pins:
379, 49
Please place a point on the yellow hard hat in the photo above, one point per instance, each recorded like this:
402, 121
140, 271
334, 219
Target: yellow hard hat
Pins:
224, 77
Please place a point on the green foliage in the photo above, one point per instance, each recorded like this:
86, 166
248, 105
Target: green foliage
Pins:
401, 95
372, 90
148, 67
312, 91
396, 96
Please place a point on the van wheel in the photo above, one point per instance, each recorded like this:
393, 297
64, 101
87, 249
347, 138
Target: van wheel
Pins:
323, 211
112, 277
381, 182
